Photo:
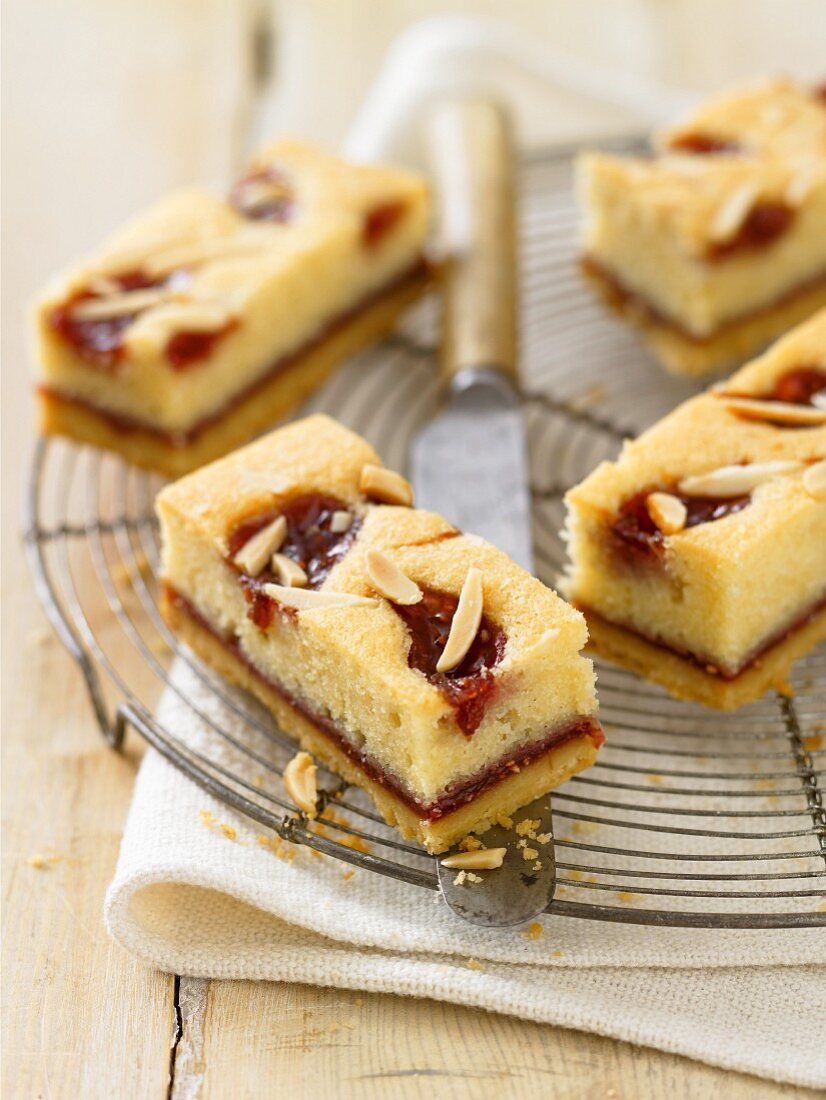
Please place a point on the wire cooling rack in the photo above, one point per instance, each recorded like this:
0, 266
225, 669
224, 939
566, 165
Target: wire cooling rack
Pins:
690, 817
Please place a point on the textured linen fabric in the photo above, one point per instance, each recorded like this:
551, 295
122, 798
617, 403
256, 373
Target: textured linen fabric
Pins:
196, 892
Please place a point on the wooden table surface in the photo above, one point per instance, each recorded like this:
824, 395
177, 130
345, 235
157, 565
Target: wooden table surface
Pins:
81, 1018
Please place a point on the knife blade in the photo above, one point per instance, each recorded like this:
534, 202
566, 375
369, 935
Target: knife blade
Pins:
470, 462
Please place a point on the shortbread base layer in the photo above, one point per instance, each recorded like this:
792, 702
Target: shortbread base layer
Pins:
284, 387
686, 679
575, 749
682, 354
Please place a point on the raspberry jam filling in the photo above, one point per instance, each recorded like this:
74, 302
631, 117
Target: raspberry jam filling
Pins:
764, 223
99, 341
798, 387
380, 221
309, 542
703, 144
470, 687
636, 535
264, 195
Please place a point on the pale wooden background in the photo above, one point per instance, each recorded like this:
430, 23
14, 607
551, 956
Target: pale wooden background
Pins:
105, 106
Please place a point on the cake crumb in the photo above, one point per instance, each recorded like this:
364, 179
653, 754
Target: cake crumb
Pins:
654, 778
543, 838
258, 780
474, 964
460, 879
229, 832
557, 954
626, 897
471, 844
206, 817
528, 827
348, 875
530, 853
537, 866
505, 822
354, 842
533, 931
41, 862
471, 877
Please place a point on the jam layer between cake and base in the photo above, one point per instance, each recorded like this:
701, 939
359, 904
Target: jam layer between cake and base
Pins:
686, 353
456, 796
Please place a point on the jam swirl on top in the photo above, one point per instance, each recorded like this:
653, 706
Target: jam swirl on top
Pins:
764, 223
703, 144
100, 341
264, 195
638, 539
798, 387
470, 687
309, 542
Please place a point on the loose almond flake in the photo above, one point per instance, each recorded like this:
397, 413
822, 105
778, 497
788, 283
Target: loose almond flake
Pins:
667, 511
466, 620
300, 783
389, 581
485, 860
731, 215
308, 599
257, 551
782, 412
119, 305
289, 572
386, 486
814, 480
341, 522
731, 481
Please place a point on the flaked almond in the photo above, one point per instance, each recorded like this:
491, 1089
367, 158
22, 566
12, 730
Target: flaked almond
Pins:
668, 512
389, 581
485, 860
814, 480
779, 412
119, 305
466, 620
257, 551
308, 599
731, 481
105, 284
733, 212
194, 253
384, 485
193, 316
289, 572
300, 783
341, 522
819, 400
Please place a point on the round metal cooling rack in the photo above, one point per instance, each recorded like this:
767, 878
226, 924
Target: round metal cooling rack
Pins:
690, 817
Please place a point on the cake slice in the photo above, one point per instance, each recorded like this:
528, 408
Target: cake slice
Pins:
417, 662
699, 556
203, 321
715, 244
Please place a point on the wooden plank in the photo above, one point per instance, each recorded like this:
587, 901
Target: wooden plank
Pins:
300, 1042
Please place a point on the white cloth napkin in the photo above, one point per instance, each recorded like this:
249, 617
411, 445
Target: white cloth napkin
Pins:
196, 892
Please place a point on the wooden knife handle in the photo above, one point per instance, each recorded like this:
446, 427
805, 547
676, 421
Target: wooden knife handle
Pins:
472, 157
